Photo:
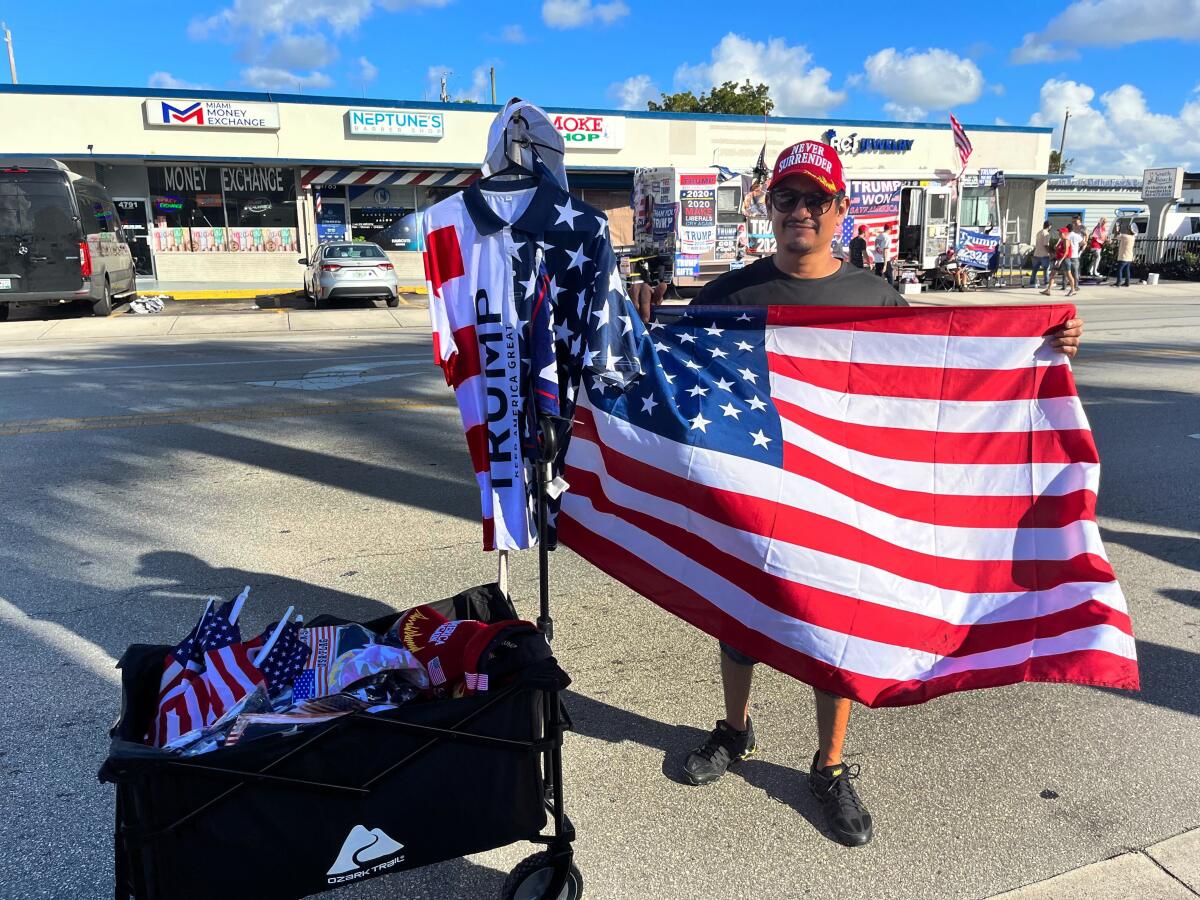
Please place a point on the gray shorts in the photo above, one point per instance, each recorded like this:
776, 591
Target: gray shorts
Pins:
737, 655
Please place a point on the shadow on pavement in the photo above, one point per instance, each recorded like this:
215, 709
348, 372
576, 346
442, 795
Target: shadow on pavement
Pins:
596, 719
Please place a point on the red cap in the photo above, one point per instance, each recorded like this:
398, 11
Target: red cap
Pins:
817, 162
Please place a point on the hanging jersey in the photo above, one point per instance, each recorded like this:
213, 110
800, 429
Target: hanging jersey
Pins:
519, 312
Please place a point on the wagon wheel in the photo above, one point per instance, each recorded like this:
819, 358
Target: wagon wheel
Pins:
530, 879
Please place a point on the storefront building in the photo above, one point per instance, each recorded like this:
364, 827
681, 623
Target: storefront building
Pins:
1094, 197
230, 187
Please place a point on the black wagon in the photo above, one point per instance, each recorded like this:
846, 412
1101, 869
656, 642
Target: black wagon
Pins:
360, 796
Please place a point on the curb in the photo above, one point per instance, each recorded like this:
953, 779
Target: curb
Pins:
250, 294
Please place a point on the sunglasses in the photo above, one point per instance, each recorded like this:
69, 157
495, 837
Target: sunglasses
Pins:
786, 200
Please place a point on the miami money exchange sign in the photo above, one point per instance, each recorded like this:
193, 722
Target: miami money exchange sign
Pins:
216, 114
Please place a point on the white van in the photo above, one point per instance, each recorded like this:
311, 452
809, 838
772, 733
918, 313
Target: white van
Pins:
60, 239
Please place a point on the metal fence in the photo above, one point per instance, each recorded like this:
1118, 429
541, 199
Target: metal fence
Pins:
1163, 251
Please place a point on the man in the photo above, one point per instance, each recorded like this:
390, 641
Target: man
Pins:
807, 203
1071, 262
1041, 255
858, 247
880, 256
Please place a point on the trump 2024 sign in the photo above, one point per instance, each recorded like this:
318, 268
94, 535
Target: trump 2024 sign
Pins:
226, 114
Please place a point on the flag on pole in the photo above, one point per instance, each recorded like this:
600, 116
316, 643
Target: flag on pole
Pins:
887, 503
182, 698
962, 143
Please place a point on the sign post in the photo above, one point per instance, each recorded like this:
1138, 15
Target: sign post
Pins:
1161, 189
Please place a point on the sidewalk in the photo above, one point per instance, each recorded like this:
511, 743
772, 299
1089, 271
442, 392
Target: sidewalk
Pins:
1168, 870
272, 321
1002, 296
212, 290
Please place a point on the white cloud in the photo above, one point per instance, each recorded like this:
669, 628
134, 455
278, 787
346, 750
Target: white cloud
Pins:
929, 79
633, 92
1037, 49
1001, 121
271, 78
293, 51
511, 34
261, 17
367, 72
577, 13
1110, 23
167, 81
796, 88
1123, 135
903, 113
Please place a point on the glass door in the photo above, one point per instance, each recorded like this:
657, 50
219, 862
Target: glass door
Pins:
135, 219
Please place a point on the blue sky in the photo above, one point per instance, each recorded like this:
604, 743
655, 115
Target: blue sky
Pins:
1126, 68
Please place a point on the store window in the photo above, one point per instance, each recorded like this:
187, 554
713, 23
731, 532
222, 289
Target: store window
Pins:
223, 208
385, 215
977, 208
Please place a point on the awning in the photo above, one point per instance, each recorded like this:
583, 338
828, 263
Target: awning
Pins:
426, 177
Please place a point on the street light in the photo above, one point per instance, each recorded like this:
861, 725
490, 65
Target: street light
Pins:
12, 62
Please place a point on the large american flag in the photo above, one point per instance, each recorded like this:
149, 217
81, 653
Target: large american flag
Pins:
962, 143
887, 503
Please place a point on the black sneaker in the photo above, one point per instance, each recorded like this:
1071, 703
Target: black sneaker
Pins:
845, 814
724, 747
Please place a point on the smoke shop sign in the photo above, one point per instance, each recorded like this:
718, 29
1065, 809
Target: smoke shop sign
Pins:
588, 132
210, 179
852, 144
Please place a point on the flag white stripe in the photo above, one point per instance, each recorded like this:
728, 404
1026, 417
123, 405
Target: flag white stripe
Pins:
983, 480
925, 350
745, 477
959, 416
848, 652
860, 580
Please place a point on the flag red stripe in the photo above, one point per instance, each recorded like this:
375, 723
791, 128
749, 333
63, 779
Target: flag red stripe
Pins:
477, 446
846, 614
773, 519
975, 321
958, 510
927, 382
976, 448
1085, 666
464, 363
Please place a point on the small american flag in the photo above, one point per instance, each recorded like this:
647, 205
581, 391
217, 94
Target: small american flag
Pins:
962, 143
229, 674
286, 658
887, 503
182, 698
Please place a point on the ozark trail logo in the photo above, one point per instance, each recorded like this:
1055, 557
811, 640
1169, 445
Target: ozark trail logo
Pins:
360, 851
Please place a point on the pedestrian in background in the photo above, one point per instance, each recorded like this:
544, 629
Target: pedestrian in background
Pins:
1062, 254
1096, 245
883, 244
1041, 255
1071, 272
1125, 244
858, 248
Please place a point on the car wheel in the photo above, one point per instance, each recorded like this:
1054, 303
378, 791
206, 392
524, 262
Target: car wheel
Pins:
393, 300
104, 306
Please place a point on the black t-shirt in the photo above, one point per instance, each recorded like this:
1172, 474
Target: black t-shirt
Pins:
762, 284
858, 252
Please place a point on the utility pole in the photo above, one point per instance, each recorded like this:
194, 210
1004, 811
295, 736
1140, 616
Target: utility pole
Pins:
445, 98
12, 61
492, 73
1062, 142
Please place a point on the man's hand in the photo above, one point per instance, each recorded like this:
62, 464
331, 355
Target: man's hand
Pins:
1067, 337
644, 297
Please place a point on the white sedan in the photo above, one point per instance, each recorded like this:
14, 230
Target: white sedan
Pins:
348, 269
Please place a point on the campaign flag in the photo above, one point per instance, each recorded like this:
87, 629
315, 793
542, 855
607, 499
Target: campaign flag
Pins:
962, 143
875, 204
889, 503
182, 697
976, 249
